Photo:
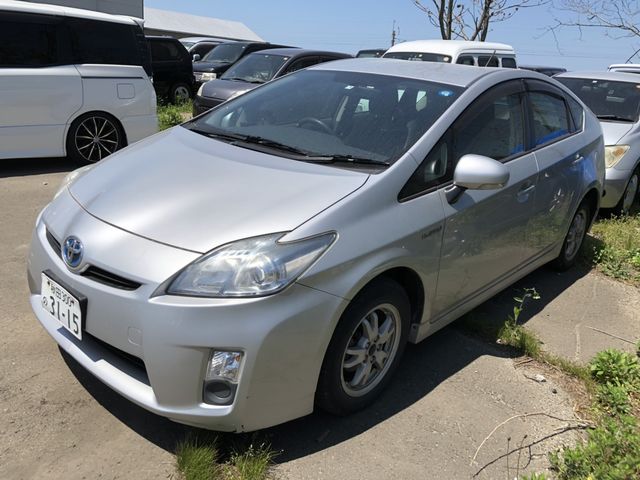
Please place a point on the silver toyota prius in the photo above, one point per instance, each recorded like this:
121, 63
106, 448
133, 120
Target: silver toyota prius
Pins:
279, 251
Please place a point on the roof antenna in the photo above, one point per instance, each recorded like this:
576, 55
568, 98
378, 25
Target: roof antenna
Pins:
490, 58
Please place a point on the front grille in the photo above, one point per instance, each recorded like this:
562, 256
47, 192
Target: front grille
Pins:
95, 273
55, 244
107, 278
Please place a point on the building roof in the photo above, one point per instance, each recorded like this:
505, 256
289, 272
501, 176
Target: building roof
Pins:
194, 25
449, 47
41, 8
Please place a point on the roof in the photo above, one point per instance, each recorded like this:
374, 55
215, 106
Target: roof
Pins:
41, 8
194, 25
606, 76
449, 47
459, 75
203, 39
298, 52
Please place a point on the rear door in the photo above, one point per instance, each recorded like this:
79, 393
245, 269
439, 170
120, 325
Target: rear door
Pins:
559, 152
39, 89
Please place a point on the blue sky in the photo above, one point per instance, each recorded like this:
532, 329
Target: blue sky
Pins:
351, 25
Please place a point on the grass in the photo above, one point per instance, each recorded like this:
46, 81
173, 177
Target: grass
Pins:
170, 115
611, 449
199, 458
614, 247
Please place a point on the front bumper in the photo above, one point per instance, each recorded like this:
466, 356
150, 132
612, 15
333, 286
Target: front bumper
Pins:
283, 337
615, 184
202, 104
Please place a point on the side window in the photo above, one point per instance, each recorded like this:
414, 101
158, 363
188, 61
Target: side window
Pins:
465, 60
508, 62
302, 63
434, 170
577, 113
28, 44
550, 117
493, 127
103, 42
488, 61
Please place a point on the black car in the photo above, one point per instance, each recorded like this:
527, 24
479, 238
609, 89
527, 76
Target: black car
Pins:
198, 47
255, 69
218, 60
371, 53
172, 69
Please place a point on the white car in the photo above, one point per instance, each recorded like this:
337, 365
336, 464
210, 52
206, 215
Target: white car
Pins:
72, 82
462, 52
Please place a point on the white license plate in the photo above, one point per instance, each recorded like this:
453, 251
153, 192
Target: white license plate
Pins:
62, 305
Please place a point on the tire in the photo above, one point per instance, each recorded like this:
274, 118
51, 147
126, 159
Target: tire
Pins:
94, 136
575, 238
179, 93
629, 196
344, 386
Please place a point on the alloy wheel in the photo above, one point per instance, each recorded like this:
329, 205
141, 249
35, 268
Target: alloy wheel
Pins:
96, 138
371, 349
576, 234
181, 94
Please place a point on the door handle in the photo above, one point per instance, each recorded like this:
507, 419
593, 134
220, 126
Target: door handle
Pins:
525, 190
577, 159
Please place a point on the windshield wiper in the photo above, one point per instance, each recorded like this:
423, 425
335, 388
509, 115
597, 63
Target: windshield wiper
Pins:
221, 135
270, 144
614, 117
342, 158
240, 79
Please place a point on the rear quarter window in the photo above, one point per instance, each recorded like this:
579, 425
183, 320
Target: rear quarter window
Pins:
577, 114
104, 42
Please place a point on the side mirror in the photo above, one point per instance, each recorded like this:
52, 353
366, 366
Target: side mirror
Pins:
477, 172
196, 57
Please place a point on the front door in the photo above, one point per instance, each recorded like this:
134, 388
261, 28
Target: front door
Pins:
485, 231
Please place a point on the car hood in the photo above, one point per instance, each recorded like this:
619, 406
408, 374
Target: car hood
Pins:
210, 66
225, 89
196, 193
614, 131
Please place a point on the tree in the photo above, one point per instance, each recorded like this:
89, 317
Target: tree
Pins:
621, 18
470, 19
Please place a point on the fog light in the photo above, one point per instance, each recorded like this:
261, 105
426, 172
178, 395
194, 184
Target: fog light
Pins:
220, 381
224, 365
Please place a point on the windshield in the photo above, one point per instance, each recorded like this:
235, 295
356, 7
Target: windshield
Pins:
419, 56
187, 44
255, 68
368, 117
225, 53
616, 101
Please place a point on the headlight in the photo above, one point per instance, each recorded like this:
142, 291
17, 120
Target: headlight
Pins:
199, 94
253, 267
613, 154
71, 176
206, 76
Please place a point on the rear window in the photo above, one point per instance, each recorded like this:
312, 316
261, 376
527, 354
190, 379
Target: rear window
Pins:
609, 100
487, 61
104, 42
164, 50
419, 56
509, 62
27, 44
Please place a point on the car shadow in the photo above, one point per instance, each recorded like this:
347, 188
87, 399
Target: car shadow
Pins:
423, 368
21, 167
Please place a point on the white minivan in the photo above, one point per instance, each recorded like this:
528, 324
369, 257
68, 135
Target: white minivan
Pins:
72, 82
462, 52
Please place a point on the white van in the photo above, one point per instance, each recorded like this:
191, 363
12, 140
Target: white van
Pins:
480, 54
72, 82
